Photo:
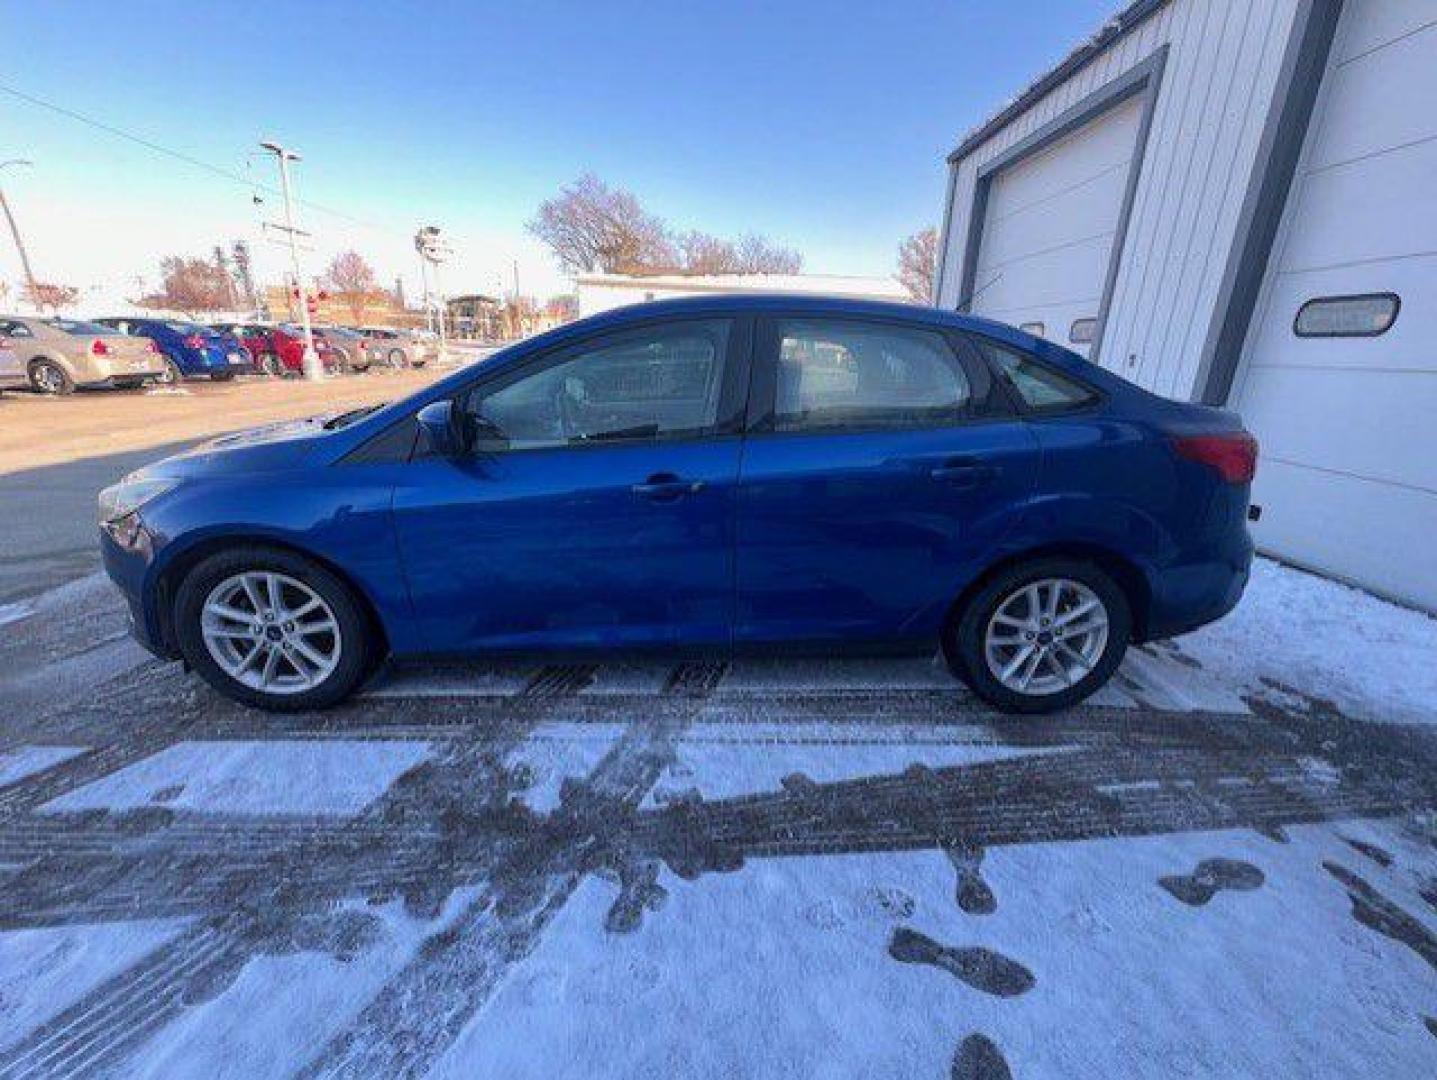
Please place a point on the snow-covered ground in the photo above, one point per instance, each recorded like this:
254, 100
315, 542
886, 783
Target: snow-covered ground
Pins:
1225, 867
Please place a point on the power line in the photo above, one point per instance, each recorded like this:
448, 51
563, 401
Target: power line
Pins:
188, 159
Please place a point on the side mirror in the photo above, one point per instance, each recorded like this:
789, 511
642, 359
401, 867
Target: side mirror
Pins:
436, 422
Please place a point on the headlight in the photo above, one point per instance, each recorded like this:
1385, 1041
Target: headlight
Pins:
129, 495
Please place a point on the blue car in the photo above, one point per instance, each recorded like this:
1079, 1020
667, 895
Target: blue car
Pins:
190, 350
720, 476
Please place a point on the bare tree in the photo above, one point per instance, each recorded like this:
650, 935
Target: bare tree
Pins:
591, 226
353, 283
757, 255
704, 253
192, 286
918, 264
47, 296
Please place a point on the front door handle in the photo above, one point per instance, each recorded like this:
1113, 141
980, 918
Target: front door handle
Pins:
963, 473
666, 487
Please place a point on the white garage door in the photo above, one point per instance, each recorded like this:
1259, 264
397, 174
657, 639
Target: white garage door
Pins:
1048, 229
1348, 425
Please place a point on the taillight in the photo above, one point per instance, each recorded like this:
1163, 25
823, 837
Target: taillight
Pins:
99, 348
194, 341
1233, 455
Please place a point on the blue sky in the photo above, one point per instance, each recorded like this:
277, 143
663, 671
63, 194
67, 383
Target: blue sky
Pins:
821, 125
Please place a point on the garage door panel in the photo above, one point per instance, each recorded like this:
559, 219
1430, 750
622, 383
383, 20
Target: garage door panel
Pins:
1095, 149
1049, 225
1371, 107
1073, 273
1409, 345
1086, 212
1345, 421
1375, 534
1378, 22
1345, 214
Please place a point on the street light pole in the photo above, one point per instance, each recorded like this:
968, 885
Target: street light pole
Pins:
432, 251
310, 362
15, 234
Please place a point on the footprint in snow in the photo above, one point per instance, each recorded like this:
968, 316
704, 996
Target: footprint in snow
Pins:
893, 902
979, 1059
973, 894
982, 969
1210, 878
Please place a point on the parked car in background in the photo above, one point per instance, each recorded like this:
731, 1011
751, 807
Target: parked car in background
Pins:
912, 480
189, 349
57, 355
348, 347
398, 348
12, 371
277, 349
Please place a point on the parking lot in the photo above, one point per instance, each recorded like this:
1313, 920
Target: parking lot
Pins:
1224, 864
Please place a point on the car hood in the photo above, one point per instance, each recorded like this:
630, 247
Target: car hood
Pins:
263, 449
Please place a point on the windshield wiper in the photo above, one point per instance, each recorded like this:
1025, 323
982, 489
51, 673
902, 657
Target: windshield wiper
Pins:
344, 419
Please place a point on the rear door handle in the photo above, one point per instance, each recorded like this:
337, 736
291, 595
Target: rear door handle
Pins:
666, 487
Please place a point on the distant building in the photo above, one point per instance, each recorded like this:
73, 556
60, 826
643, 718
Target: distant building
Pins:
380, 309
601, 292
476, 316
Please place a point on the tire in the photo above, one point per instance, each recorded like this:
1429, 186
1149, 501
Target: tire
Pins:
350, 647
973, 629
48, 377
397, 359
270, 365
172, 375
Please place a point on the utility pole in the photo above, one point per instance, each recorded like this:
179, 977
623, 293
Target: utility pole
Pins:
432, 251
15, 234
312, 367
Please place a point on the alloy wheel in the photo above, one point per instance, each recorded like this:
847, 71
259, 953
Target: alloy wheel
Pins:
1046, 636
47, 378
271, 632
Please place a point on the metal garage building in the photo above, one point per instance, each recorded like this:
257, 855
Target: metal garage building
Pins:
1235, 201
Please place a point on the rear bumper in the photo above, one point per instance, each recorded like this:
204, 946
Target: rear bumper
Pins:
1190, 595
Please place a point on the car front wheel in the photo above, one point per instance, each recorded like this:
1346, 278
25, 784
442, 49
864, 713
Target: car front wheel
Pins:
272, 629
1040, 636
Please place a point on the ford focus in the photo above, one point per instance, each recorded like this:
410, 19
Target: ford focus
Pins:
720, 476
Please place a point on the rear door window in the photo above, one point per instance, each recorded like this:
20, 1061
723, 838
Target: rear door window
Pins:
849, 375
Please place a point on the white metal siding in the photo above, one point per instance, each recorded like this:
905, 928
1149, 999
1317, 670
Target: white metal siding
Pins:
1348, 476
1218, 87
1049, 226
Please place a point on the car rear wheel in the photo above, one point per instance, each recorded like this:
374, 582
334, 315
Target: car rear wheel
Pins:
48, 377
1040, 636
272, 629
269, 364
171, 375
396, 358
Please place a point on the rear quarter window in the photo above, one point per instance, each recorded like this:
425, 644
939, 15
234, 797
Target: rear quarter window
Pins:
1040, 387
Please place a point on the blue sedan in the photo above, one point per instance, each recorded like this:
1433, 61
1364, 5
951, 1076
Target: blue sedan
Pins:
727, 475
190, 350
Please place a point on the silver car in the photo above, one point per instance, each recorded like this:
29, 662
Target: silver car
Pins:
398, 348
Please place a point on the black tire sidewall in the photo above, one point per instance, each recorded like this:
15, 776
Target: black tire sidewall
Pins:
67, 385
354, 629
963, 643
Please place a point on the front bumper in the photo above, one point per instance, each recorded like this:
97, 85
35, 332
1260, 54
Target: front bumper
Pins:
127, 557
